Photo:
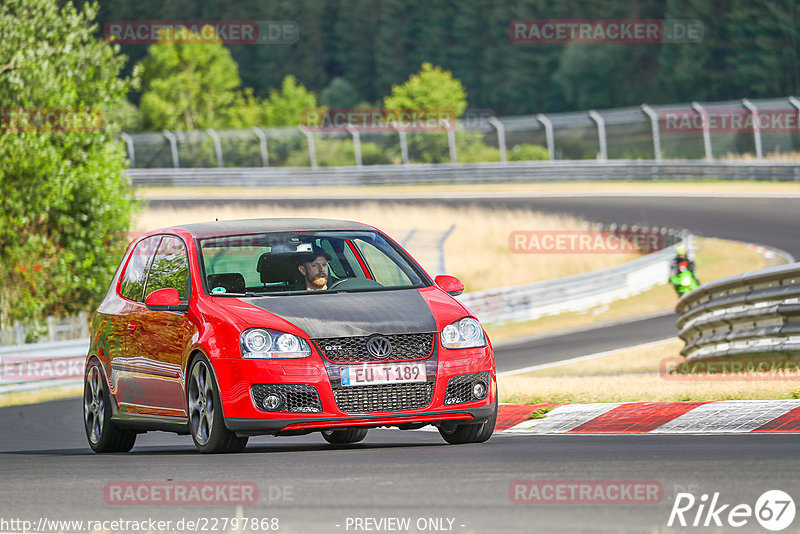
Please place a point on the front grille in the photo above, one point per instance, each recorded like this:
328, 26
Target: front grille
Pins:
296, 397
459, 388
383, 397
354, 349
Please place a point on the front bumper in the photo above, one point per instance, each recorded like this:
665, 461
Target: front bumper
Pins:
254, 427
237, 376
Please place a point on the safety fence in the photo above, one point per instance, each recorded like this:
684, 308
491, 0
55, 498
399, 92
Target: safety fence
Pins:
466, 173
752, 315
50, 330
676, 131
42, 365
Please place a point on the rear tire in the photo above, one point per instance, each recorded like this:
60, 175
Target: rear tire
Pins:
101, 432
470, 433
205, 412
348, 435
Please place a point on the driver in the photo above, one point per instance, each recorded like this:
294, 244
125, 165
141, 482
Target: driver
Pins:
314, 268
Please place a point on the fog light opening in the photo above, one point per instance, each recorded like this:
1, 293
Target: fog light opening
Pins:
479, 390
272, 402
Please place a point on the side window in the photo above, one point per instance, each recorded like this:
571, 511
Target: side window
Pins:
170, 267
132, 285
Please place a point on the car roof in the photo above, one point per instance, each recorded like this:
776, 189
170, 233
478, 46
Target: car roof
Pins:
248, 226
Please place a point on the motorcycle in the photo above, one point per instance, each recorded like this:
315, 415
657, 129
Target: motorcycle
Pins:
684, 280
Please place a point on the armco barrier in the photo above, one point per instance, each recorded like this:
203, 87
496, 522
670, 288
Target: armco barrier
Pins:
40, 365
465, 173
755, 314
577, 292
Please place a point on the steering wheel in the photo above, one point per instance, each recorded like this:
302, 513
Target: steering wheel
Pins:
336, 283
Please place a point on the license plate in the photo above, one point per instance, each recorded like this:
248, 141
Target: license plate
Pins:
364, 375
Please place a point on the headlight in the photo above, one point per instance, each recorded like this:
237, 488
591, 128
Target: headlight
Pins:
465, 333
261, 343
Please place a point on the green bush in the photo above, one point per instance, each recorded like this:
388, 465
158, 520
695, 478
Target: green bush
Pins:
65, 202
526, 152
470, 148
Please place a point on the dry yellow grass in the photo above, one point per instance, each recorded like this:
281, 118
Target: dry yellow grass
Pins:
632, 375
716, 258
772, 156
645, 188
477, 251
31, 397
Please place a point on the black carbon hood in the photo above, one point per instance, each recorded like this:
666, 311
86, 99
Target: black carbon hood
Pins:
401, 311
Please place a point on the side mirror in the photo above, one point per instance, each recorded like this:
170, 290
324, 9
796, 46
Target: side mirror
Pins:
167, 299
449, 284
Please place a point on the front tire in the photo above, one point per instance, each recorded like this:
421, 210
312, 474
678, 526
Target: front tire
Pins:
205, 412
469, 433
103, 436
348, 435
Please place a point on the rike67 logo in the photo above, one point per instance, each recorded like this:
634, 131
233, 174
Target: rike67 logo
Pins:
774, 510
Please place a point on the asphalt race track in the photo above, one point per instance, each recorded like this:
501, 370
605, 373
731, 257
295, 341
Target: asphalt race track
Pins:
47, 469
545, 349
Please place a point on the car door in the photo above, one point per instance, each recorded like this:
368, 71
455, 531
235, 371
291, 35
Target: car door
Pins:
162, 335
121, 321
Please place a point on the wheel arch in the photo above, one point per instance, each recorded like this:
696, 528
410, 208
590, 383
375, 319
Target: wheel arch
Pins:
194, 355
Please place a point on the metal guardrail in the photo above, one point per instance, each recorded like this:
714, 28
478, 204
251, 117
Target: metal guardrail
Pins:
578, 292
42, 365
754, 315
465, 173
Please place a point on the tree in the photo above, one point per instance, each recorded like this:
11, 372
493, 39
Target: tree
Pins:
65, 202
765, 41
339, 94
286, 107
188, 86
430, 89
690, 72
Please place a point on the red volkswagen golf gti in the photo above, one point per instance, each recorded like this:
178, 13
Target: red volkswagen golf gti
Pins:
226, 330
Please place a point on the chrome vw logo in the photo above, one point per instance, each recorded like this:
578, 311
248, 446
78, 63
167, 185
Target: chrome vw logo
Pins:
379, 347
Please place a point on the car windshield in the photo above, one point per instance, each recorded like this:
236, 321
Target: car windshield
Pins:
279, 263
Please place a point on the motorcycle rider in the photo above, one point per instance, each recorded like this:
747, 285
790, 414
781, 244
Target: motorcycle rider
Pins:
683, 278
681, 256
